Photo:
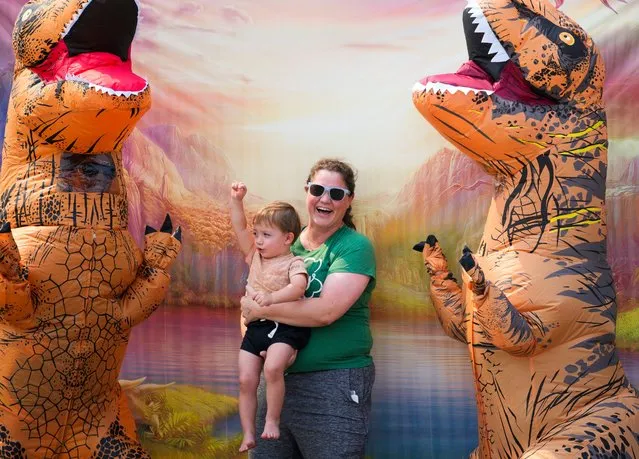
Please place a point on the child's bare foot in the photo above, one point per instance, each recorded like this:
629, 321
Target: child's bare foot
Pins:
248, 442
271, 430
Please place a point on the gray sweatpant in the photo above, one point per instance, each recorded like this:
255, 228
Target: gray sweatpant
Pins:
325, 416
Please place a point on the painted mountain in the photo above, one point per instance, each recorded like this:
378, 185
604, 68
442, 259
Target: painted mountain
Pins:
157, 159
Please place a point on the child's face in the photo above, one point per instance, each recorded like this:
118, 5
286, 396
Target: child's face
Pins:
271, 241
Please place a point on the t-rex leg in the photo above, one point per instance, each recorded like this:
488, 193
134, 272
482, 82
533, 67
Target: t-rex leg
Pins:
122, 440
607, 429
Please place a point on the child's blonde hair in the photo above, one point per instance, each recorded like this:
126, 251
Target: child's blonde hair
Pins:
281, 215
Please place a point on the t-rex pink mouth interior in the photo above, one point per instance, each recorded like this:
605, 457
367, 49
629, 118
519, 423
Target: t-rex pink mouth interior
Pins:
510, 86
101, 69
94, 51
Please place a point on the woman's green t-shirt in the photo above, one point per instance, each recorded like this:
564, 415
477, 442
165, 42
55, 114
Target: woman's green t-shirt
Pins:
347, 342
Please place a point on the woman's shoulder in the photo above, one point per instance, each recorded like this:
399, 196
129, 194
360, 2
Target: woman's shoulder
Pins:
352, 239
353, 253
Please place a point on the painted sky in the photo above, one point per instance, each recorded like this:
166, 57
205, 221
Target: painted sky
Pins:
276, 85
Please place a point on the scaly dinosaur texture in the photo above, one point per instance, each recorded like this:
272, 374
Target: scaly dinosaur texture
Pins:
537, 308
72, 281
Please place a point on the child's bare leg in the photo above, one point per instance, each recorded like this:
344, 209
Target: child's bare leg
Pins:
250, 367
278, 358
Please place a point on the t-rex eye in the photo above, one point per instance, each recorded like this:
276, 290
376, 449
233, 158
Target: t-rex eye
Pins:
26, 15
567, 38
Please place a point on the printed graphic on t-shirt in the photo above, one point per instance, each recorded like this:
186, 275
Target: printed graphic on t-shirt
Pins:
314, 286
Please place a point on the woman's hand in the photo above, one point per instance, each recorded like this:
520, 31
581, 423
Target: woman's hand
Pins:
250, 309
263, 298
251, 303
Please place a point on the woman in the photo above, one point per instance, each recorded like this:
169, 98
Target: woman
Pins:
328, 388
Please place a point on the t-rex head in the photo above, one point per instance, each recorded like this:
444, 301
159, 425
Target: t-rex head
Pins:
534, 80
73, 82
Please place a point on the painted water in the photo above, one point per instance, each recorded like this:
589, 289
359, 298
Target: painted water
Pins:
423, 402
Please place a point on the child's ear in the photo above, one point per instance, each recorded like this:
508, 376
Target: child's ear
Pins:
290, 238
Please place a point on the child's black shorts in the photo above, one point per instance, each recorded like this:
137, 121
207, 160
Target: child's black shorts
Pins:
257, 340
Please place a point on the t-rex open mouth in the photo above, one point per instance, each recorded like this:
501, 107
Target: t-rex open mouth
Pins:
94, 48
489, 69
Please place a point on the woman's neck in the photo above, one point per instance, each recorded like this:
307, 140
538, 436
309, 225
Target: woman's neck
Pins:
313, 237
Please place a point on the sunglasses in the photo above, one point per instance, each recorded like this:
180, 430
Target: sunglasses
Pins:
336, 193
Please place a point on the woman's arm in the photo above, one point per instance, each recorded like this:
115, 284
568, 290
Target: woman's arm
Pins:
340, 292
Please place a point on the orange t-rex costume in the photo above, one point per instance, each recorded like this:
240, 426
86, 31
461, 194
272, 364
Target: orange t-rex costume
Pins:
72, 280
538, 306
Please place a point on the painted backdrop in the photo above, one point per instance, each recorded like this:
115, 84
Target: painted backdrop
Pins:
258, 91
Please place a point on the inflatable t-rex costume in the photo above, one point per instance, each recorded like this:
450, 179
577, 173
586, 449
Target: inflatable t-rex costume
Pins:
538, 305
72, 282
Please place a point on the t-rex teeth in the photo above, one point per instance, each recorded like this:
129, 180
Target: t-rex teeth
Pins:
104, 89
488, 36
435, 87
74, 19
